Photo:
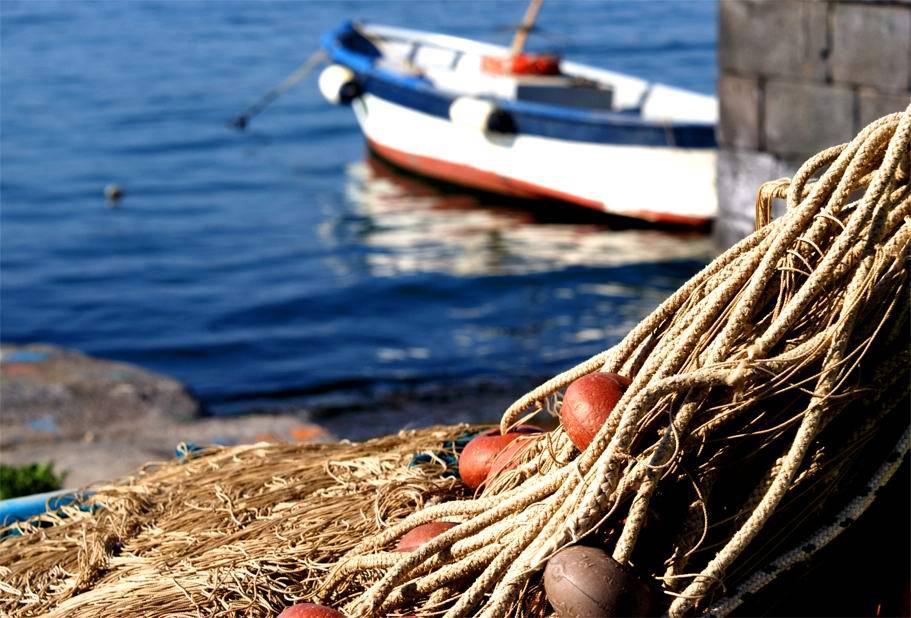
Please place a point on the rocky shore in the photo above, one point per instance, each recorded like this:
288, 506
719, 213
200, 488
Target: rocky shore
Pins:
98, 420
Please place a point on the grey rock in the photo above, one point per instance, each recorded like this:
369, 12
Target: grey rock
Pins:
80, 393
99, 419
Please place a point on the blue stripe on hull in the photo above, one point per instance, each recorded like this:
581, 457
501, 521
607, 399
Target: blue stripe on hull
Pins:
535, 119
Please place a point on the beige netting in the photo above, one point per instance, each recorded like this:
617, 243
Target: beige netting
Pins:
244, 530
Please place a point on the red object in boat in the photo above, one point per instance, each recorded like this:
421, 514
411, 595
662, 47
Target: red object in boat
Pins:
521, 64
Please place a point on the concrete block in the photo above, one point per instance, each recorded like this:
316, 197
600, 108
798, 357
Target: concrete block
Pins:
802, 119
773, 38
739, 122
871, 46
740, 174
874, 104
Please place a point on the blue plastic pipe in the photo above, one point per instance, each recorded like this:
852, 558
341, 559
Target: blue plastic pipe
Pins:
17, 509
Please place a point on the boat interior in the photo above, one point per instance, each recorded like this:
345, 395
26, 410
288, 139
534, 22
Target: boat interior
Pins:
459, 67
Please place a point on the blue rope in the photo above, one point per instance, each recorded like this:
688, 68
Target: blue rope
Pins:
449, 454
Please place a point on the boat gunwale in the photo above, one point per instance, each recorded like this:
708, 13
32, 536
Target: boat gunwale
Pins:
366, 69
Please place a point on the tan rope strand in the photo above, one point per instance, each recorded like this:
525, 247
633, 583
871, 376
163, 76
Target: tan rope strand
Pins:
787, 473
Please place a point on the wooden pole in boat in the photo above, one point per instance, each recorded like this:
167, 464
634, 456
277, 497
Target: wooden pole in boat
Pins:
299, 73
528, 22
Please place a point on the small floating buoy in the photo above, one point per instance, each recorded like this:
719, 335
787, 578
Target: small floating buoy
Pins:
113, 193
416, 537
310, 610
588, 403
585, 581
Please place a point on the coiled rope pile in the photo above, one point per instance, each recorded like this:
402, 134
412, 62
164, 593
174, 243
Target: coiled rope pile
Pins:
768, 402
768, 370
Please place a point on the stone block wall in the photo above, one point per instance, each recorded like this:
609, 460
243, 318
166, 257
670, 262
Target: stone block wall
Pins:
797, 76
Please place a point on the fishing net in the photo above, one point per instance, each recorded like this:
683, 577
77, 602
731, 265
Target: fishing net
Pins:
244, 530
768, 403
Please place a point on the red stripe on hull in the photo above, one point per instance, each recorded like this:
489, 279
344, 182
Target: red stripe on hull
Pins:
488, 181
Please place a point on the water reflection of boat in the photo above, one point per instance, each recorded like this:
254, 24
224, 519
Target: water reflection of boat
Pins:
463, 111
418, 226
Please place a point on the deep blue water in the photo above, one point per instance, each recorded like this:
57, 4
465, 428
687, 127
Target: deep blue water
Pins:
281, 263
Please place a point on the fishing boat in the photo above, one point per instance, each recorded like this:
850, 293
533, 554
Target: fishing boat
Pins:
527, 125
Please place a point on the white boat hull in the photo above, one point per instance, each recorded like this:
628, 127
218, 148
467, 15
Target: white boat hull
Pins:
660, 184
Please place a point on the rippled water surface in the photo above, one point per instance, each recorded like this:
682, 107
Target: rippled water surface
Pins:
283, 265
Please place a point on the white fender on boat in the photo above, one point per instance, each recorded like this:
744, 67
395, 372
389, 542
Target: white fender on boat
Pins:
479, 115
339, 84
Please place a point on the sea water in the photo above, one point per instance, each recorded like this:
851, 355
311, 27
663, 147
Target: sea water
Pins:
282, 266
